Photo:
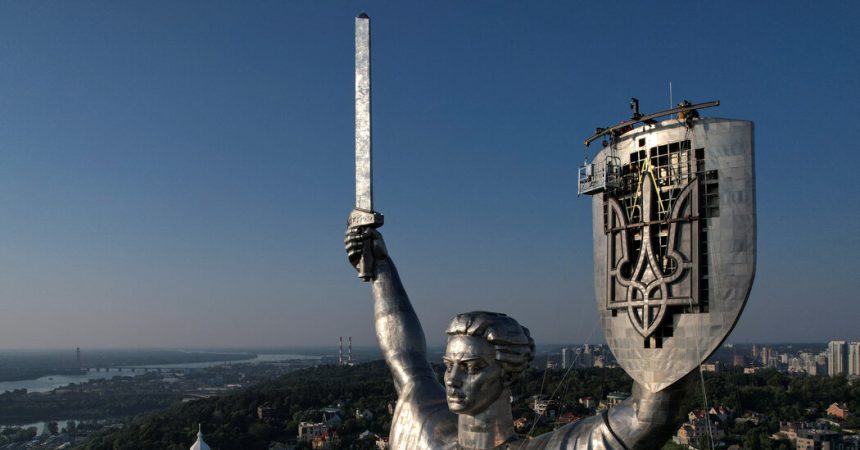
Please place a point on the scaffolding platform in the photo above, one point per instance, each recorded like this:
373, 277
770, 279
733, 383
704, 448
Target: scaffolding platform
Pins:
596, 176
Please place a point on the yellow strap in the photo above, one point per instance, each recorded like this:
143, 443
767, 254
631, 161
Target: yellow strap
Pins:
646, 167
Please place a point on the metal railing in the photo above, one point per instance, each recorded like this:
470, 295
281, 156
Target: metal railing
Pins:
597, 176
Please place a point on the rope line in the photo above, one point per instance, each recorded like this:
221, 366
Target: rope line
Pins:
704, 390
560, 383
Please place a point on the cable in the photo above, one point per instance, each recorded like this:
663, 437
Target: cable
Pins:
560, 383
543, 381
704, 390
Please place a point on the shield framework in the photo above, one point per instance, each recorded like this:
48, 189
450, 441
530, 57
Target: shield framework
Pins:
673, 208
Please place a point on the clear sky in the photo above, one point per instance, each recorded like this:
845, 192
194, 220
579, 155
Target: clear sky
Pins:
179, 173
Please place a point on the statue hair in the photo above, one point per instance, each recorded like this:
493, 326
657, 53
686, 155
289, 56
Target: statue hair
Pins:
514, 346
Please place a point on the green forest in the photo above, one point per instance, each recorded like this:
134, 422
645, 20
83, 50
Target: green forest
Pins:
231, 422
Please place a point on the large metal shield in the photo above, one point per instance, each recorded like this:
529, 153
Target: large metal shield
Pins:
674, 243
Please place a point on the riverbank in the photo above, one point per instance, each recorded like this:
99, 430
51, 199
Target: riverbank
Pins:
121, 394
51, 382
18, 366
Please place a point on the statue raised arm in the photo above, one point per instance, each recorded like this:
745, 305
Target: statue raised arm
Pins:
398, 330
421, 419
485, 354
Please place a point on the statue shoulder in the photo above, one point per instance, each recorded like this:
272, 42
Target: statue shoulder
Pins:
422, 419
422, 389
587, 434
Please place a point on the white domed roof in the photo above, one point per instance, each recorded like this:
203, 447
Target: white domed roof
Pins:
200, 444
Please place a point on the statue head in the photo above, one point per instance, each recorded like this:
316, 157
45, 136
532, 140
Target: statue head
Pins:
486, 353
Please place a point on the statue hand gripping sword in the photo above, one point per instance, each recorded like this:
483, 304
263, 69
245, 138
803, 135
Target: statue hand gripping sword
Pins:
363, 218
485, 352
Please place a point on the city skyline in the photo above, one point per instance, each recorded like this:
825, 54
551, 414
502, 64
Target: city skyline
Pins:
179, 175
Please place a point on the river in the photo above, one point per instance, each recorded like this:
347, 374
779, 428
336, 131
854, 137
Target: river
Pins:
41, 426
50, 382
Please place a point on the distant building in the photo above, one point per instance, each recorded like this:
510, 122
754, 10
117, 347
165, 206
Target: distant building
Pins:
837, 357
577, 357
772, 361
854, 359
711, 367
721, 412
326, 440
697, 426
588, 402
809, 439
840, 411
332, 416
795, 365
521, 424
565, 357
807, 363
764, 355
615, 398
739, 360
821, 363
751, 417
812, 436
265, 412
586, 359
308, 430
544, 406
789, 430
199, 444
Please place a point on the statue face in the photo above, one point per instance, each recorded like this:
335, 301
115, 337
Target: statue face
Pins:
473, 377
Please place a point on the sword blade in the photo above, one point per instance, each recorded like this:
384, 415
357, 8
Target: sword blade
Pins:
363, 163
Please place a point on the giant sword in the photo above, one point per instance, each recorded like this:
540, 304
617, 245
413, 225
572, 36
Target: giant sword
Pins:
363, 216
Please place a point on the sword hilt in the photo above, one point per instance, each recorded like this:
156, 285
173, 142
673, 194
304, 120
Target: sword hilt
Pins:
360, 219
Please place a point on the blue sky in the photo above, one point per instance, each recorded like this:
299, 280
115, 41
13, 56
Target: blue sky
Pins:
179, 173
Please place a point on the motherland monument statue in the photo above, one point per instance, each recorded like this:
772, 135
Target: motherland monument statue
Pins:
674, 253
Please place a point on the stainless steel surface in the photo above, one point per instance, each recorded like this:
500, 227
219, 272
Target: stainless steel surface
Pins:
485, 354
646, 293
363, 166
360, 218
363, 214
361, 222
667, 307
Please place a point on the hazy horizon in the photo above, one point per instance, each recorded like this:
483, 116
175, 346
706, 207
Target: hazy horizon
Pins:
541, 348
179, 174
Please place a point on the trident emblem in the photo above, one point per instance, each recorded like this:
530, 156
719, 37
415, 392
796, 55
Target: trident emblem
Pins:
674, 241
650, 262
